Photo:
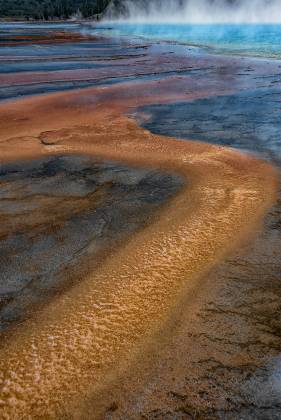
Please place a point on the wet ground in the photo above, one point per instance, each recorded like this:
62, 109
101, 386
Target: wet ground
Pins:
223, 358
234, 343
220, 357
249, 121
46, 59
60, 213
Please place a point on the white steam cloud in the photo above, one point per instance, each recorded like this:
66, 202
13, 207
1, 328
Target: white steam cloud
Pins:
196, 11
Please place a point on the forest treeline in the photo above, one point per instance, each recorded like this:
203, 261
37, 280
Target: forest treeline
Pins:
50, 9
64, 9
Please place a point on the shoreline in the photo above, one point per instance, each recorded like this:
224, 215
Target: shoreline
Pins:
55, 362
199, 48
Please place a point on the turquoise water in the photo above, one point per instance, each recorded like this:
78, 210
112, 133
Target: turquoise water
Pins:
244, 39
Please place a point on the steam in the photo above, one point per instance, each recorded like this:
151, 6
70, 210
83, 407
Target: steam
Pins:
195, 11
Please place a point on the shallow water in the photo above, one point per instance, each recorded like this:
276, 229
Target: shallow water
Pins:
57, 212
248, 120
245, 39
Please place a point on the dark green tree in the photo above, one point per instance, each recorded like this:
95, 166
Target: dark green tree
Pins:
50, 9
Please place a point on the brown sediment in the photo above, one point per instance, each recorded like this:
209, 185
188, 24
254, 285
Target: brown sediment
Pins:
68, 353
219, 355
53, 37
96, 108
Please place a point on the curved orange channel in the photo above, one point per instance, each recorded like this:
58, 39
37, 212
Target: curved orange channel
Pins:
52, 362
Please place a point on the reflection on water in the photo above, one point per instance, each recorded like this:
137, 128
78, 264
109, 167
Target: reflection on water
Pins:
248, 120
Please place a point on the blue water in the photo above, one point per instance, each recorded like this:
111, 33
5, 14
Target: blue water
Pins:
244, 39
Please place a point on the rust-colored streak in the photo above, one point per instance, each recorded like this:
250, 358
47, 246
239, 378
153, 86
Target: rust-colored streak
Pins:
53, 37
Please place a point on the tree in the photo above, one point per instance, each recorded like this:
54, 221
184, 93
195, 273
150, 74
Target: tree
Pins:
49, 9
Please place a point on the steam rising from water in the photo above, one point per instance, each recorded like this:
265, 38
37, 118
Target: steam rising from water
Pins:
196, 11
